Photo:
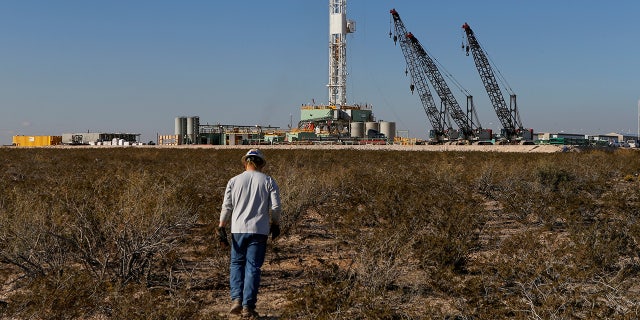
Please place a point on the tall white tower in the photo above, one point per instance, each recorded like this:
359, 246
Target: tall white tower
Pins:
339, 27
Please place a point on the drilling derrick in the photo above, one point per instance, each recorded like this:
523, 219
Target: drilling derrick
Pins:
419, 79
339, 27
333, 121
512, 128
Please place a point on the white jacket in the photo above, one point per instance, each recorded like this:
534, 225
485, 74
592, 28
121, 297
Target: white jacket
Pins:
248, 199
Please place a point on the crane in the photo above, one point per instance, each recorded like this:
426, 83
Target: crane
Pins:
470, 131
465, 123
512, 128
419, 81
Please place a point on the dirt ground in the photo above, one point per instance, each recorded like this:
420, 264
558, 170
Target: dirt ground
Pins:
302, 250
288, 258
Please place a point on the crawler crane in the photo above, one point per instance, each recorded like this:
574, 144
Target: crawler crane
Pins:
416, 54
512, 128
419, 82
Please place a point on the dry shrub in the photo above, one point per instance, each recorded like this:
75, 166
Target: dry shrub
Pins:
329, 293
554, 178
140, 302
303, 183
575, 253
64, 294
336, 294
600, 246
111, 225
396, 220
115, 226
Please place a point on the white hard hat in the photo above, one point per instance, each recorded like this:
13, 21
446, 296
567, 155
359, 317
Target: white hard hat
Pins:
254, 153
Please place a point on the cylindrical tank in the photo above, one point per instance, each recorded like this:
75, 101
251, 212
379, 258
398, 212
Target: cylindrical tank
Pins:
357, 129
178, 126
389, 130
371, 128
193, 128
181, 126
190, 125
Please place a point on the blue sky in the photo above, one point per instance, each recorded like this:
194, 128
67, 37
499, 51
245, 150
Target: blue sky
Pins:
133, 66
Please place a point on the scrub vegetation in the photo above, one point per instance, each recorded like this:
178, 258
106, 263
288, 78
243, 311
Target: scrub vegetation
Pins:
118, 233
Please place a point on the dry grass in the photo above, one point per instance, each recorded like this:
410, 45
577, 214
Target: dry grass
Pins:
368, 234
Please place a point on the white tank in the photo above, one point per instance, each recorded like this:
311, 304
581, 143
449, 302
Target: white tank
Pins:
389, 130
357, 129
371, 128
181, 126
190, 125
178, 126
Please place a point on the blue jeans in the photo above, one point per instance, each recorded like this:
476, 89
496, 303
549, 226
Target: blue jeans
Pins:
247, 256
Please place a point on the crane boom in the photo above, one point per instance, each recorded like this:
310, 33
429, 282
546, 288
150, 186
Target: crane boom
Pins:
468, 128
419, 79
508, 116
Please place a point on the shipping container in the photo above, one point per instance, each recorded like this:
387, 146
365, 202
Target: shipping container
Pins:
36, 141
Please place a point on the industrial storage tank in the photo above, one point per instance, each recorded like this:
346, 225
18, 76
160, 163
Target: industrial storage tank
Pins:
178, 127
389, 130
357, 129
193, 129
190, 125
181, 126
371, 129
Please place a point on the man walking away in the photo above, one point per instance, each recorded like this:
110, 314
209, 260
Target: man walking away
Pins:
248, 199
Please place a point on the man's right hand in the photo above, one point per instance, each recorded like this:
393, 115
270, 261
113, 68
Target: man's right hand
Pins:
222, 237
275, 231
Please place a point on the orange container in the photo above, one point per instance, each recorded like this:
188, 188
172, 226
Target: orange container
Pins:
36, 141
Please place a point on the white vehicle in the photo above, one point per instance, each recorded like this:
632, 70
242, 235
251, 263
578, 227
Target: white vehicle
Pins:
631, 143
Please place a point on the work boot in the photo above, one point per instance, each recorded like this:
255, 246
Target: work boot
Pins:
236, 307
249, 313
